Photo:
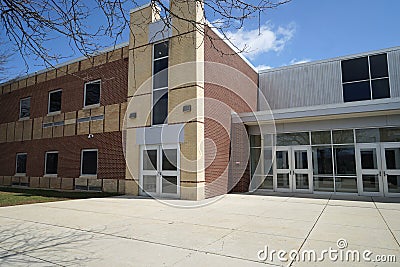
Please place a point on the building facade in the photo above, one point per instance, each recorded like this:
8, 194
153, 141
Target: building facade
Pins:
176, 112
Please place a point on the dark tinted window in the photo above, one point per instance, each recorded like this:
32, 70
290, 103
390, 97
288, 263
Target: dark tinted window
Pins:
345, 162
51, 162
25, 108
378, 65
322, 161
161, 50
21, 163
356, 91
55, 101
92, 95
89, 162
160, 106
380, 88
355, 69
160, 79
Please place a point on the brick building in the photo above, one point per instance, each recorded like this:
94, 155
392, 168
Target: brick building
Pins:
177, 113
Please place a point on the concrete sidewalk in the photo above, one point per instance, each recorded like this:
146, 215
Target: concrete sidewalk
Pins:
231, 231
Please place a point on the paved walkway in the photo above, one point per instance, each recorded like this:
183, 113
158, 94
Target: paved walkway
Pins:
230, 232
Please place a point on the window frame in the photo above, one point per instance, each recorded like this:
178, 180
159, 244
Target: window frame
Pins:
45, 163
20, 108
153, 59
16, 164
48, 103
370, 79
84, 94
97, 161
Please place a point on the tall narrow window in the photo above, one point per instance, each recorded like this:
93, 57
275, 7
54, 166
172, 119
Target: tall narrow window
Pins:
365, 78
89, 162
51, 162
21, 163
92, 93
160, 83
25, 108
54, 101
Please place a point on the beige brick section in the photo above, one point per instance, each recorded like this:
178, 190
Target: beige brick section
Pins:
27, 134
3, 132
55, 182
67, 183
121, 186
110, 185
141, 73
10, 131
100, 59
74, 67
95, 183
58, 131
132, 154
19, 127
44, 182
191, 11
125, 52
31, 81
7, 180
1, 180
192, 191
139, 21
114, 55
48, 131
131, 187
14, 86
111, 118
62, 71
96, 126
41, 78
70, 115
123, 108
142, 106
37, 128
34, 182
81, 181
22, 84
70, 123
178, 98
52, 74
83, 127
87, 64
15, 180
6, 88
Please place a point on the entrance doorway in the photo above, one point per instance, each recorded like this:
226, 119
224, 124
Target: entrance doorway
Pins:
378, 167
159, 173
293, 169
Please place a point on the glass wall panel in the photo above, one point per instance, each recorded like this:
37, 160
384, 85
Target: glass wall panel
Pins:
367, 135
292, 139
322, 160
321, 138
283, 180
390, 134
393, 183
380, 88
268, 167
323, 184
343, 136
268, 182
302, 181
346, 184
345, 161
255, 140
255, 158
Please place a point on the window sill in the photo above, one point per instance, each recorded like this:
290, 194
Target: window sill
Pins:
92, 106
24, 119
50, 175
20, 175
53, 113
88, 176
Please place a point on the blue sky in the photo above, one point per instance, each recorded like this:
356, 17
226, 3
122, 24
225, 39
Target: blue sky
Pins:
300, 31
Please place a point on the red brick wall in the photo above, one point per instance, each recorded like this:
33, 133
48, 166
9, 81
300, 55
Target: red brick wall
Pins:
111, 162
114, 89
227, 89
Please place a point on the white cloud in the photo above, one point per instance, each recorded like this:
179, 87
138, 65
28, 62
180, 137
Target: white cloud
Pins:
265, 39
295, 61
263, 67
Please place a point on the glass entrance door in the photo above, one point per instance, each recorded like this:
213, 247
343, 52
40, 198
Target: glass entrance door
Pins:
293, 169
159, 174
369, 171
391, 168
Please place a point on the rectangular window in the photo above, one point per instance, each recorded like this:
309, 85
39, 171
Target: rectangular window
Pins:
89, 162
25, 108
92, 93
21, 163
365, 78
54, 101
160, 83
51, 163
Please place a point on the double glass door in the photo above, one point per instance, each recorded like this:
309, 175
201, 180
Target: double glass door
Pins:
378, 167
159, 174
293, 169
